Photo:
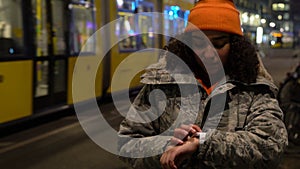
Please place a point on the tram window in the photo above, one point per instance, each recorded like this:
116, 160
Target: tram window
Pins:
42, 88
135, 27
59, 76
147, 36
82, 1
145, 22
11, 34
175, 20
126, 31
58, 27
126, 5
42, 32
82, 28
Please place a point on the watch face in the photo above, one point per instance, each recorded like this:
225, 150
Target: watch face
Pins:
197, 134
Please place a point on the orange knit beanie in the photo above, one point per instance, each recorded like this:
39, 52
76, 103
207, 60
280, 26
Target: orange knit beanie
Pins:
219, 15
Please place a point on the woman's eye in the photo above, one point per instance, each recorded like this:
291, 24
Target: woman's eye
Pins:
219, 45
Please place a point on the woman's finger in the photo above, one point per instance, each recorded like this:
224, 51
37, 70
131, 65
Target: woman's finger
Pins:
175, 141
180, 133
196, 127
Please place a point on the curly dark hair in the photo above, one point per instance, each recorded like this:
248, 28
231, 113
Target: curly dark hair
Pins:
242, 64
243, 61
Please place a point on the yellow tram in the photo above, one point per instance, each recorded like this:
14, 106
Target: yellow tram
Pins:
41, 40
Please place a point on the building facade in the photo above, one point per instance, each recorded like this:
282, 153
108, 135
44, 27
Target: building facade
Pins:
255, 16
282, 35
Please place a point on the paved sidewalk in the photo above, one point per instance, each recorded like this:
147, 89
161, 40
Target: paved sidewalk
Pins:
280, 52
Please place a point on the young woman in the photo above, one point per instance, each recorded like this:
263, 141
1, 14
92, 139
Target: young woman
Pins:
242, 129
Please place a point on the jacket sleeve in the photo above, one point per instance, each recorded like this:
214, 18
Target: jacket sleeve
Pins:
140, 145
259, 145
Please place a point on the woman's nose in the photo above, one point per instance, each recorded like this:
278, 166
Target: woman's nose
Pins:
208, 53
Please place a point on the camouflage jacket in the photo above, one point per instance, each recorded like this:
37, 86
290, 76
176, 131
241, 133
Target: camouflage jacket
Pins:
243, 122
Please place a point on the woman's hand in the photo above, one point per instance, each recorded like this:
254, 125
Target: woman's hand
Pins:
182, 134
174, 156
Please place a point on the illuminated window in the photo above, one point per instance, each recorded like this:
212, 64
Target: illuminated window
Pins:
175, 20
126, 5
11, 28
145, 23
82, 28
134, 31
42, 31
245, 18
286, 16
58, 24
280, 7
126, 31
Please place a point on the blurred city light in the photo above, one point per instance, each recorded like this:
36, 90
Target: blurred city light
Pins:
259, 35
272, 24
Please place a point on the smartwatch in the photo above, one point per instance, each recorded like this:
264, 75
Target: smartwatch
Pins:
200, 136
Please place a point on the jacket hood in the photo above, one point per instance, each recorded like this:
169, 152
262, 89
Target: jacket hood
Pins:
162, 73
264, 77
